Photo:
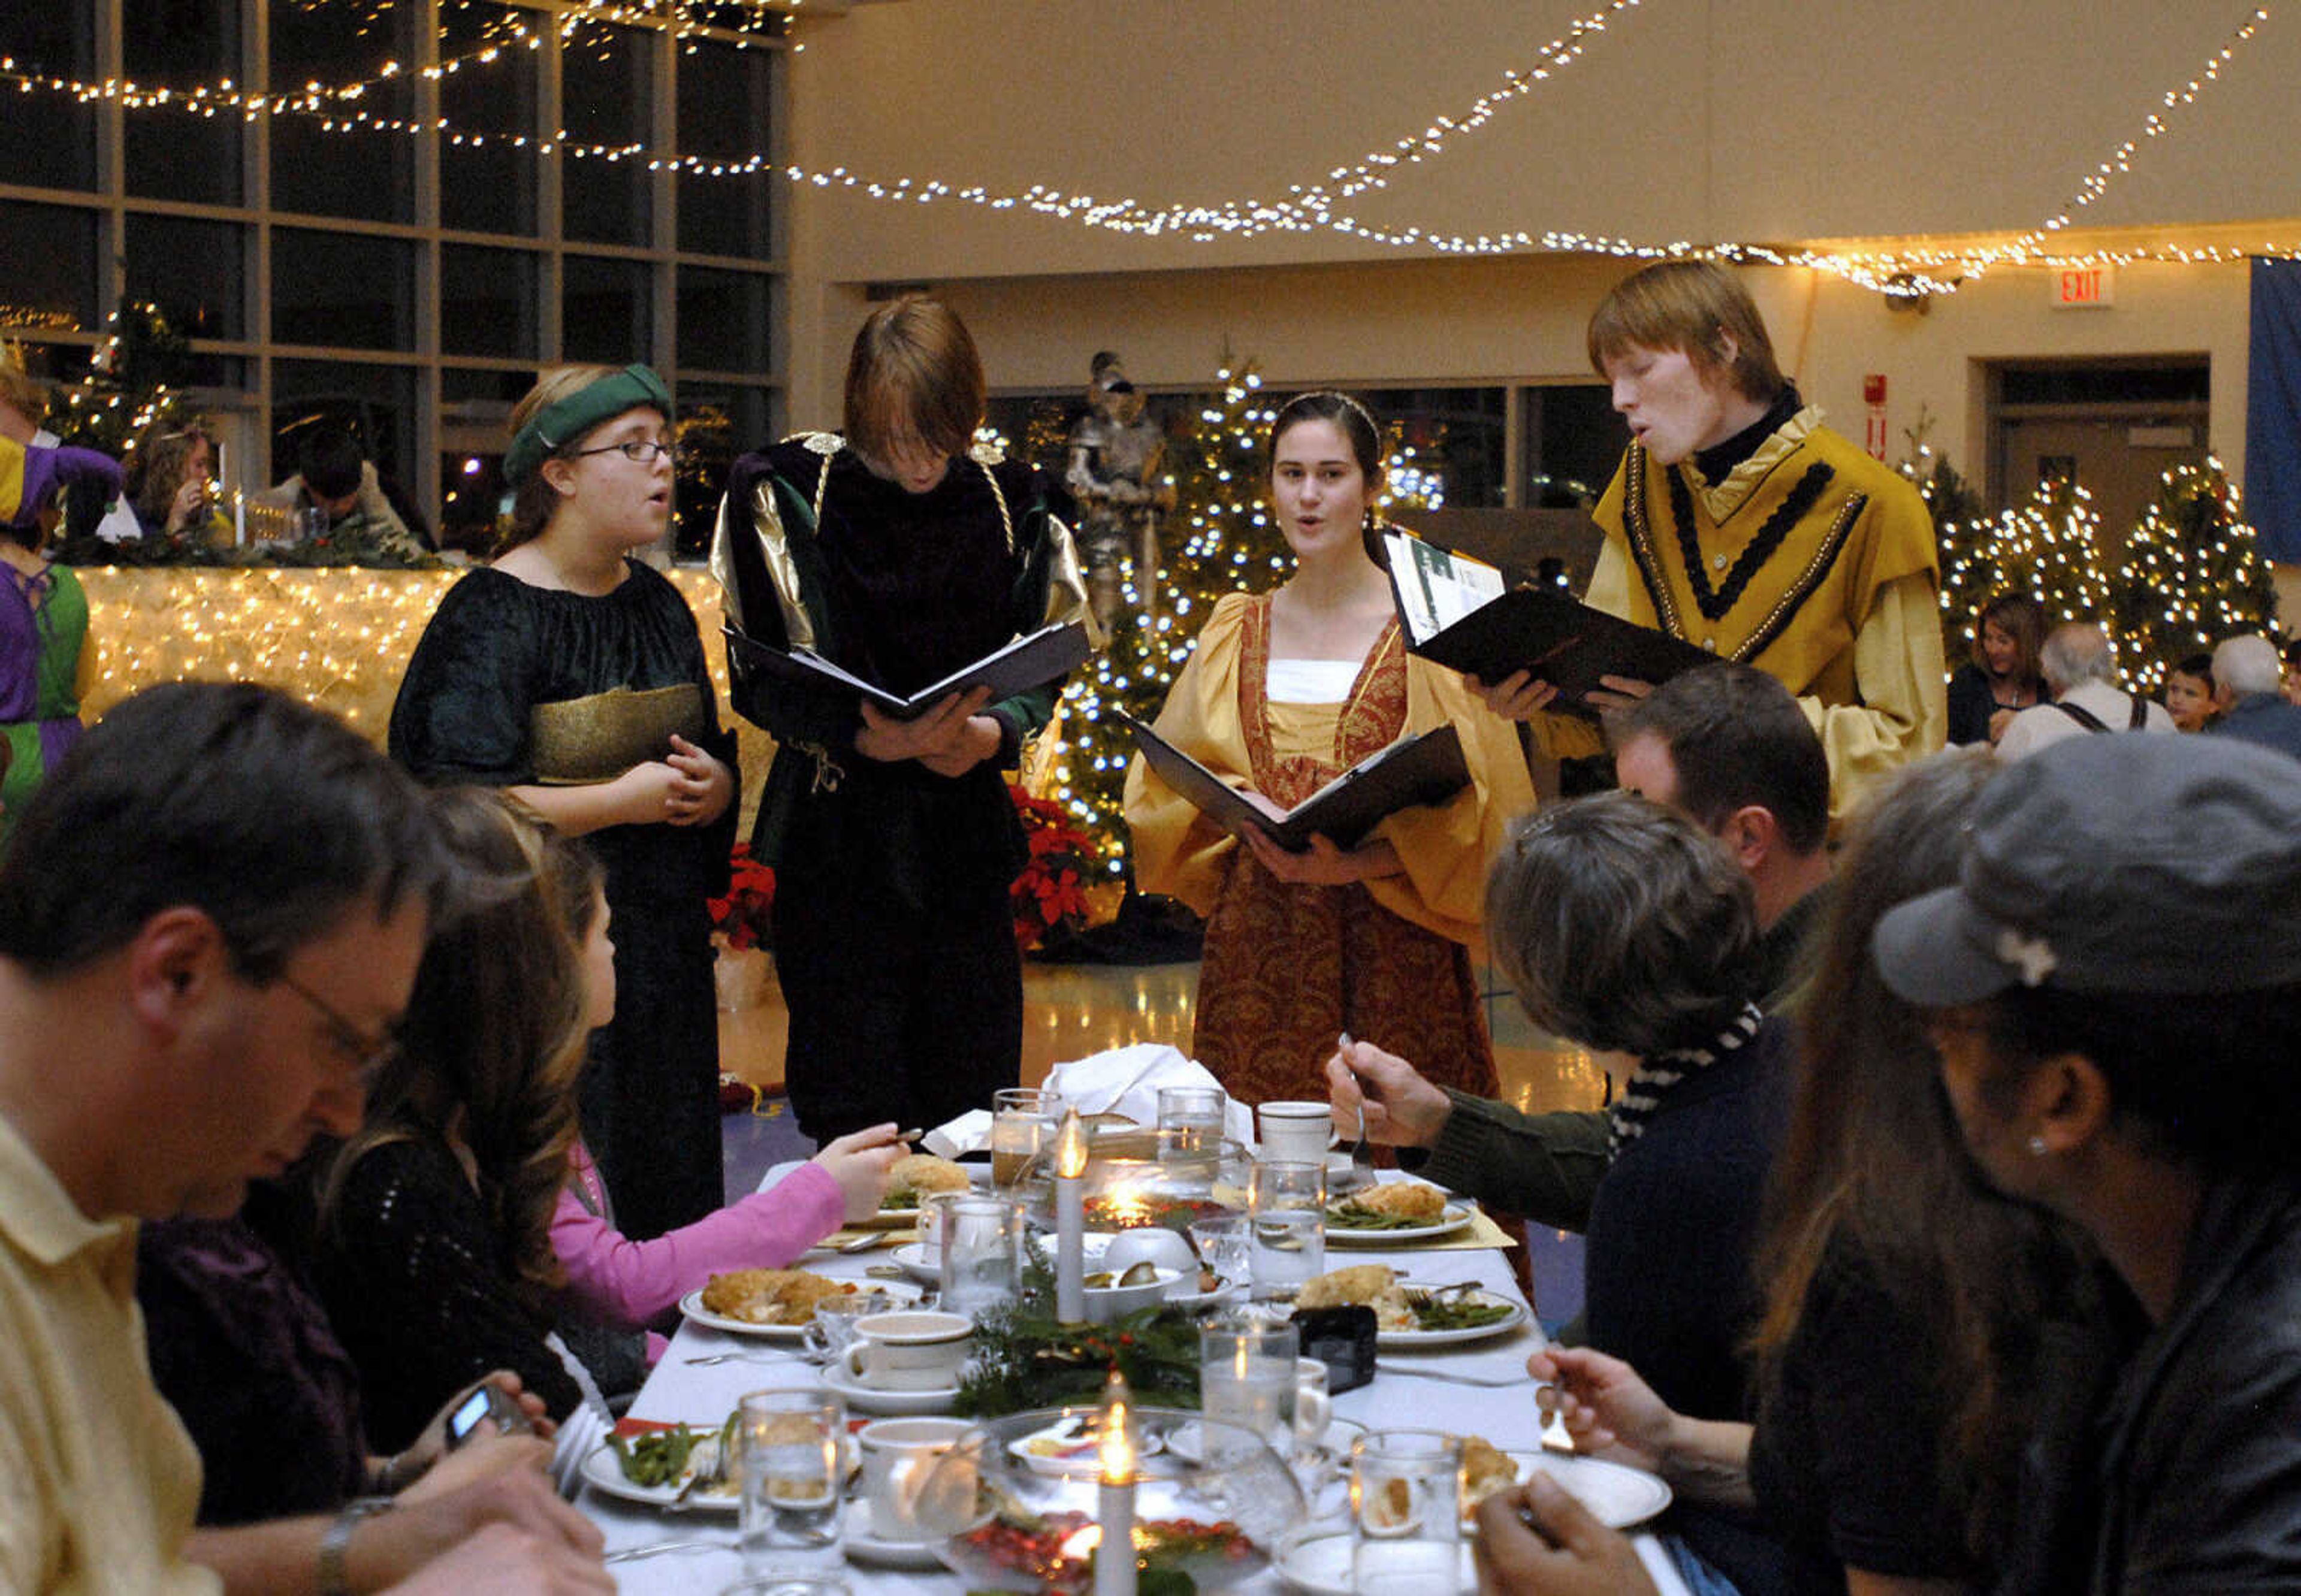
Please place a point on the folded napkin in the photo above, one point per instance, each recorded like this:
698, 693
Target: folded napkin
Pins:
970, 1132
1127, 1081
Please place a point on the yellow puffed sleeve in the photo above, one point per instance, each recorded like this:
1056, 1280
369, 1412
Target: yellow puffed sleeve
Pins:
1446, 848
1177, 850
1904, 713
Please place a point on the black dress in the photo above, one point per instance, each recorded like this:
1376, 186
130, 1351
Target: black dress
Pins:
894, 939
1972, 700
496, 649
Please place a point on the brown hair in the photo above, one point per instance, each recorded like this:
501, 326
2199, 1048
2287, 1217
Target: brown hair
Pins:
495, 1035
155, 465
1872, 1169
2019, 616
535, 501
1685, 305
914, 369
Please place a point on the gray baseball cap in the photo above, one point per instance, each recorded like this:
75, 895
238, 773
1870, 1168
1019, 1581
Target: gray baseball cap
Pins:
2120, 862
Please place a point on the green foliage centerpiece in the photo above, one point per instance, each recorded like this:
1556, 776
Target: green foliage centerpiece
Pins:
1026, 1357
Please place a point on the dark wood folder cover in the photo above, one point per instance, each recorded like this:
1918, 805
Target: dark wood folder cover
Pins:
1026, 663
1558, 637
1427, 769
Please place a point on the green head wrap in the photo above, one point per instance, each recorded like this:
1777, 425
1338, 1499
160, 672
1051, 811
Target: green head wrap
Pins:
551, 427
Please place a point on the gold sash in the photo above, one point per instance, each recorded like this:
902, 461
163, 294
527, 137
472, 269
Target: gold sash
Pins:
578, 742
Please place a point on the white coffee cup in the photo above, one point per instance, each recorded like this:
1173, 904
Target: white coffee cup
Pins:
1296, 1132
921, 1351
898, 1454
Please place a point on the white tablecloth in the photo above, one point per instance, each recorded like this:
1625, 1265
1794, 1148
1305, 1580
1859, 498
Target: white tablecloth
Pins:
679, 1390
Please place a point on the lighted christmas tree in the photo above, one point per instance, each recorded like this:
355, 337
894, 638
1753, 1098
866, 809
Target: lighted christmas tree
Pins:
1218, 538
2191, 577
2051, 547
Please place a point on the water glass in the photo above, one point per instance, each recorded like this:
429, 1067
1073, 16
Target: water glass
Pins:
835, 1316
1195, 1115
981, 1253
788, 1459
1286, 1226
1247, 1376
1406, 1513
1024, 1120
1221, 1240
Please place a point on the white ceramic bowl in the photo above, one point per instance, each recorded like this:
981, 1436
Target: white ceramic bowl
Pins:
1106, 1303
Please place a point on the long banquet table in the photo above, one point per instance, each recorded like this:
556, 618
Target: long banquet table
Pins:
1407, 1392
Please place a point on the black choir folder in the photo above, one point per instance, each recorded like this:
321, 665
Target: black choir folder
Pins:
1461, 614
1427, 769
1026, 663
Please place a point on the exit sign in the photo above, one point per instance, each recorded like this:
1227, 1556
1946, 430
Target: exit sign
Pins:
2084, 287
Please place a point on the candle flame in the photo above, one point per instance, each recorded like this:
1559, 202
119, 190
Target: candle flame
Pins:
1070, 1147
1117, 1443
1079, 1545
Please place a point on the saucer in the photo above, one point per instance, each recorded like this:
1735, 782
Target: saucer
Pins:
890, 1404
916, 1555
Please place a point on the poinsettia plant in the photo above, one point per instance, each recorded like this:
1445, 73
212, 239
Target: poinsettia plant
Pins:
743, 915
1051, 890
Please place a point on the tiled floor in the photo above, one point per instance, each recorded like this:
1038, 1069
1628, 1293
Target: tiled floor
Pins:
1072, 1010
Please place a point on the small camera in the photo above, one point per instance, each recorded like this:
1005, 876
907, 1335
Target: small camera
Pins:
489, 1400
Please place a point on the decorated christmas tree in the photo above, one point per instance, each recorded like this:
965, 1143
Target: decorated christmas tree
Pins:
1219, 538
2191, 576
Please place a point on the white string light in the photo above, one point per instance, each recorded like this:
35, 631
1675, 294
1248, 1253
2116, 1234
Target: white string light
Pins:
1906, 270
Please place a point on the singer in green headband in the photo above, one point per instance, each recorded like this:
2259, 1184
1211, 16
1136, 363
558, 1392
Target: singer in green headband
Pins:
573, 675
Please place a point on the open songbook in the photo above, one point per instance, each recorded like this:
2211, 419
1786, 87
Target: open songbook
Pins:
1460, 612
1026, 663
1427, 769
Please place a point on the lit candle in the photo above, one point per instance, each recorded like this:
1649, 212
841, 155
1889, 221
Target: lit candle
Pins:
1070, 1221
1113, 1554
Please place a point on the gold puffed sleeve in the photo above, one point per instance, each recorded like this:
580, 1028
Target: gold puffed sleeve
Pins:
1904, 713
1177, 850
1447, 847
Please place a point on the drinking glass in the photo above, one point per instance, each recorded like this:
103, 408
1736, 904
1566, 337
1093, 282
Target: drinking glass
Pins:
1023, 1123
1406, 1513
835, 1316
1286, 1214
982, 1252
1221, 1240
1194, 1114
788, 1458
1247, 1376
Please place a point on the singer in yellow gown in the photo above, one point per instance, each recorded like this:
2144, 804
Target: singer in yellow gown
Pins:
1283, 692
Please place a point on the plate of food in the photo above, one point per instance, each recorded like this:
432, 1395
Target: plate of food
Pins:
681, 1467
1408, 1317
1391, 1212
1071, 1446
668, 1466
1617, 1495
778, 1304
910, 1181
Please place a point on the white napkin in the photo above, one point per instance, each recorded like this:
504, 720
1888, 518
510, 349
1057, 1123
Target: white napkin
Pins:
970, 1132
1128, 1080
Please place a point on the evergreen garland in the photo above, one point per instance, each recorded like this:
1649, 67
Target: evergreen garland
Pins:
1026, 1357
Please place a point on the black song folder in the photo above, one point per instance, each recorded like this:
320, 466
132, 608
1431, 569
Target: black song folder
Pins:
1026, 663
1427, 769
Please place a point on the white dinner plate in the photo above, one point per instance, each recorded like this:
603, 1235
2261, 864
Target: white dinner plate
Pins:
887, 1403
888, 1219
603, 1472
918, 1262
1410, 1341
1319, 1560
916, 1556
691, 1305
1452, 1218
1617, 1495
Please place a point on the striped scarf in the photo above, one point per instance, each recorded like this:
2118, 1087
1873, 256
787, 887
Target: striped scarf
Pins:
1658, 1075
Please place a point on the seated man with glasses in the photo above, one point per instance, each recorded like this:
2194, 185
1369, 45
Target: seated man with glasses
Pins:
210, 919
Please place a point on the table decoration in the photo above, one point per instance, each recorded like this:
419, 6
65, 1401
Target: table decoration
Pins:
1114, 1571
1197, 1526
1070, 1220
1027, 1356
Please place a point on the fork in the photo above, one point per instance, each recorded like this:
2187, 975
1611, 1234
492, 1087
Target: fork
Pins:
717, 1358
1361, 1154
655, 1548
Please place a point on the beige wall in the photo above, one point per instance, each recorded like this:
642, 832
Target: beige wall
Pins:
1695, 119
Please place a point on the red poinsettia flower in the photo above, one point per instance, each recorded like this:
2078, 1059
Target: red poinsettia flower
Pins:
744, 914
1051, 890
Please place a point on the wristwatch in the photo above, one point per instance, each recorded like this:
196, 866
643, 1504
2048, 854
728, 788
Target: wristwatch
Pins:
336, 1541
